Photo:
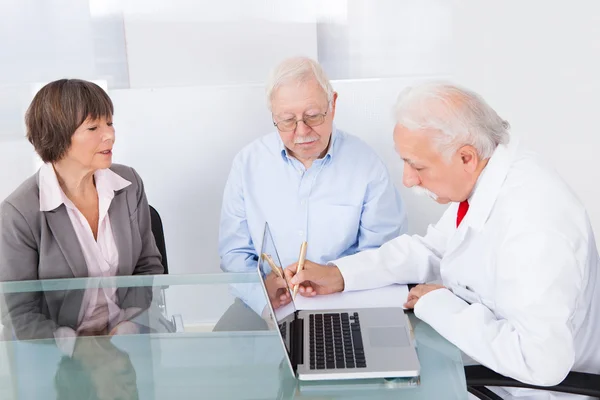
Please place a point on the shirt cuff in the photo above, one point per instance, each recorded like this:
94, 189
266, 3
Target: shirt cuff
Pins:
65, 340
438, 304
351, 281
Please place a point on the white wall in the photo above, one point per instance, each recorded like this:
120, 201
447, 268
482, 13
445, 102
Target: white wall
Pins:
386, 38
44, 40
166, 53
182, 141
38, 42
538, 63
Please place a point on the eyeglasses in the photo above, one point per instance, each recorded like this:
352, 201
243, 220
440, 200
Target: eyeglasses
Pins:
288, 125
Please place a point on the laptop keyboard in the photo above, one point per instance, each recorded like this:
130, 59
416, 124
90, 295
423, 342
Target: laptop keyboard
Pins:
336, 341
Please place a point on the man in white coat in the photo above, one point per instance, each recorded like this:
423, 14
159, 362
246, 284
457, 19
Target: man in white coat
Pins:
515, 251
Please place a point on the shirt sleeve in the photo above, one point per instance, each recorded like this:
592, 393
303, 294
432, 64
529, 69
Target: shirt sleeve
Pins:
236, 248
529, 335
405, 259
235, 244
21, 312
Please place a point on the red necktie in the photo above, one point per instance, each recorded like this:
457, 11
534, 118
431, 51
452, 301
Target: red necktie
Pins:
463, 207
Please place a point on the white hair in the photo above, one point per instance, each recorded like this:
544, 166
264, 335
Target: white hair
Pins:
461, 116
298, 70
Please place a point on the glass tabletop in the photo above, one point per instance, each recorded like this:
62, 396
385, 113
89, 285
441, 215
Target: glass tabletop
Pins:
154, 337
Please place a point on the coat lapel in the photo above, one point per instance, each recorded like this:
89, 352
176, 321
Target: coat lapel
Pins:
64, 234
459, 238
121, 227
483, 199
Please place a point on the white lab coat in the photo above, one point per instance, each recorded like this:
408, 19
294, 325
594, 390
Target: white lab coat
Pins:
521, 273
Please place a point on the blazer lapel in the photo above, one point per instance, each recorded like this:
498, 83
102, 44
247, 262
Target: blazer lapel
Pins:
64, 234
121, 227
461, 236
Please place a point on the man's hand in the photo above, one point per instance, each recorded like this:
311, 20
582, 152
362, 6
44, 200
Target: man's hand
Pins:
278, 291
315, 278
419, 291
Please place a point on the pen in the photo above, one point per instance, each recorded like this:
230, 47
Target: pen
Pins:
300, 265
274, 267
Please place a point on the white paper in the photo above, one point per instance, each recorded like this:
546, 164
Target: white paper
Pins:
387, 296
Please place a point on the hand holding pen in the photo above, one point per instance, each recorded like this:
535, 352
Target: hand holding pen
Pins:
301, 260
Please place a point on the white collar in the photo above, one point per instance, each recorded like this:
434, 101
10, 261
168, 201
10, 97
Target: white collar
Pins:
52, 195
490, 183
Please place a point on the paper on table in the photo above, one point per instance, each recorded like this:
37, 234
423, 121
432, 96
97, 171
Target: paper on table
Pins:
387, 296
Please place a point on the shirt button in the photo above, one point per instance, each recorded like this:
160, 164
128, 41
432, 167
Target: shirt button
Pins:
301, 233
302, 202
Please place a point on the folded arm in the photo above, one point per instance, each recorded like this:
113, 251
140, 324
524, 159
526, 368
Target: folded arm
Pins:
527, 335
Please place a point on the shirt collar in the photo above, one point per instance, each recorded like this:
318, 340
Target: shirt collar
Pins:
332, 145
52, 195
108, 182
477, 183
490, 183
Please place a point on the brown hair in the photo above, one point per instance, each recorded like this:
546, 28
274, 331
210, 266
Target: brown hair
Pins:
58, 109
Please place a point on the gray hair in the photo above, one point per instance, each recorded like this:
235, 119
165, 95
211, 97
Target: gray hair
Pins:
461, 116
298, 70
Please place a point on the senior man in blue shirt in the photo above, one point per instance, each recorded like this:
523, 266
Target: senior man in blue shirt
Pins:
311, 182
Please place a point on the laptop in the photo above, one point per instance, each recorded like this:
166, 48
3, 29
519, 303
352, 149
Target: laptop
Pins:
340, 344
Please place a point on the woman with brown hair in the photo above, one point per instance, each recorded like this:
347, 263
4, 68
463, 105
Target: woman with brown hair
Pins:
80, 215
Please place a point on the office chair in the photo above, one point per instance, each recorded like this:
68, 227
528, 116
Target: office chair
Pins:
478, 377
159, 236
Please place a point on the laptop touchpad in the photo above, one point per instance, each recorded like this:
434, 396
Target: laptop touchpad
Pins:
388, 337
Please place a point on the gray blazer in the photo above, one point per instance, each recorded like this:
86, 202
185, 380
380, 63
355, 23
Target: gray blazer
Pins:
44, 245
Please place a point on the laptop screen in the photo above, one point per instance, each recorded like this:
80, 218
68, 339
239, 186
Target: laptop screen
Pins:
268, 267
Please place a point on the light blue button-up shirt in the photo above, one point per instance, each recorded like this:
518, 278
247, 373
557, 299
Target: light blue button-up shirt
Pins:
344, 203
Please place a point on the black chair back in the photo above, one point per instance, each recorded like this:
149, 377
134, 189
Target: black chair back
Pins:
159, 236
478, 377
